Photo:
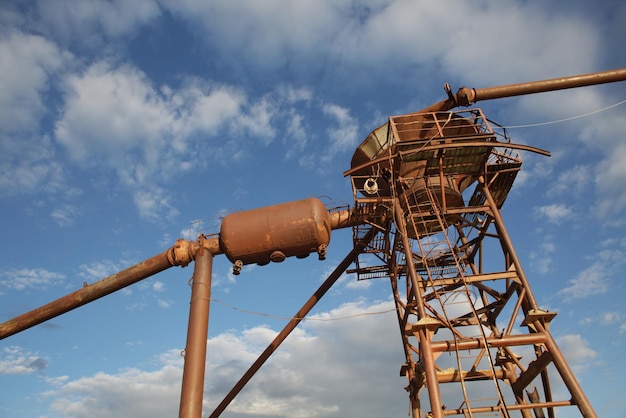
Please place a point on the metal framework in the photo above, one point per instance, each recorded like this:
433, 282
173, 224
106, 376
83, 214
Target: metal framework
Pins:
428, 188
459, 316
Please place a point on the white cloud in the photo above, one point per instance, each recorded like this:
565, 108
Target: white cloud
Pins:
268, 42
30, 278
99, 270
600, 135
372, 34
542, 260
64, 215
610, 177
526, 35
110, 111
27, 63
591, 281
75, 22
296, 134
603, 318
258, 120
200, 106
293, 95
27, 165
163, 304
14, 360
114, 118
316, 372
154, 205
358, 284
572, 181
555, 213
595, 279
131, 392
343, 136
577, 351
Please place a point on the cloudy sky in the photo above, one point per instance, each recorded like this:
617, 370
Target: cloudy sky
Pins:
125, 125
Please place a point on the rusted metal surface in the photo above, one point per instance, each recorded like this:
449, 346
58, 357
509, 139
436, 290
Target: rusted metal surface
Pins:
410, 213
435, 156
197, 332
446, 272
317, 224
423, 333
421, 166
88, 293
466, 96
451, 304
275, 232
378, 142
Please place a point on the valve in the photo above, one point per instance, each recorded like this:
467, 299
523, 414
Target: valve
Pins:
237, 265
321, 251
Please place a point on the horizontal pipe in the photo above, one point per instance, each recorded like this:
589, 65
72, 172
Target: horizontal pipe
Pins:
181, 254
510, 340
499, 374
561, 83
467, 96
510, 407
343, 219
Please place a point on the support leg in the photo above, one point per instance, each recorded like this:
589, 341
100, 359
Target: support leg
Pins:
197, 333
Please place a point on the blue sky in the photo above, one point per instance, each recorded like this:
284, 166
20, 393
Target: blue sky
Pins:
125, 125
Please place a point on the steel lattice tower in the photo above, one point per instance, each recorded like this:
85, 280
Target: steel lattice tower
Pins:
474, 336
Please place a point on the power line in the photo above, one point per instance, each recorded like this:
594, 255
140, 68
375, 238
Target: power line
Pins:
532, 125
235, 308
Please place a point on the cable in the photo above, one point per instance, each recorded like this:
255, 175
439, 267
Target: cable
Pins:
532, 125
304, 319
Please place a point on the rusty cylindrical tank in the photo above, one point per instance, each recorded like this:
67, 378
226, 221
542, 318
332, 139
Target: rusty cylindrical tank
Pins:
273, 233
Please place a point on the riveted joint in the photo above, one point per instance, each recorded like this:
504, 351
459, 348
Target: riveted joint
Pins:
466, 96
181, 253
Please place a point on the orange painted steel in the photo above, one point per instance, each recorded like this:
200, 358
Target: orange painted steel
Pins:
275, 232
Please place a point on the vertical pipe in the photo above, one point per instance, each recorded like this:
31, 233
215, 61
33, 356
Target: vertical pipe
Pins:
506, 240
413, 391
293, 323
426, 352
197, 333
443, 203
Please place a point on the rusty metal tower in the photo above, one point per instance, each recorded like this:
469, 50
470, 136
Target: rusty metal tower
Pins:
428, 188
443, 177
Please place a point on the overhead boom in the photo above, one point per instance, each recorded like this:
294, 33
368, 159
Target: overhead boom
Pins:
467, 96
